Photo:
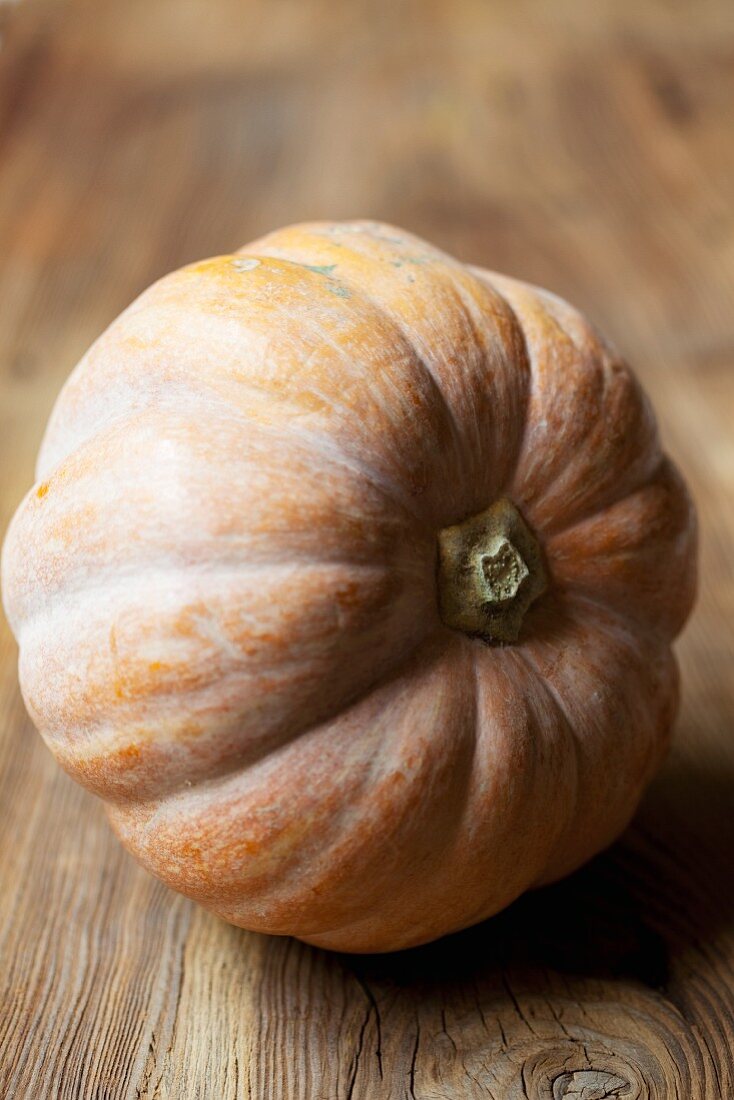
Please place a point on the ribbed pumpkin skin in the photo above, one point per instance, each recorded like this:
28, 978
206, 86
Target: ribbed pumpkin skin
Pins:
223, 585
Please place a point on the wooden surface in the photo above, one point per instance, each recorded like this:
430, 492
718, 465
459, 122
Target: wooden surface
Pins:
584, 146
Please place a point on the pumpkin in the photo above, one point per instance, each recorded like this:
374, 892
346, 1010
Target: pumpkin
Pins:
349, 583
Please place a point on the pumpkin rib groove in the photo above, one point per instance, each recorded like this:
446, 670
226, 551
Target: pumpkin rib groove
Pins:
611, 622
217, 781
237, 412
519, 334
221, 677
418, 358
597, 361
239, 561
115, 578
395, 525
217, 777
309, 326
335, 453
347, 828
634, 659
216, 784
417, 355
397, 493
178, 394
553, 695
653, 632
592, 512
632, 554
650, 631
447, 273
498, 284
461, 833
611, 498
655, 460
239, 760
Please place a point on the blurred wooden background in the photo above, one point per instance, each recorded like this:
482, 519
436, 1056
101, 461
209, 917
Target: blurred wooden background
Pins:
583, 146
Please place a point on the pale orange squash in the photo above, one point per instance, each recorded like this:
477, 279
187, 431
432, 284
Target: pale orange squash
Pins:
349, 582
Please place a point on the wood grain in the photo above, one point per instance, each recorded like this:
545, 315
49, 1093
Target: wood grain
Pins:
586, 147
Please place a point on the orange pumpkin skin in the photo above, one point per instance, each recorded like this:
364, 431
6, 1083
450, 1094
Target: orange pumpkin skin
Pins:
224, 586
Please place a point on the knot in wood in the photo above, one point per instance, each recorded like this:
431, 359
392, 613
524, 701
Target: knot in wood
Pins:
588, 1070
590, 1084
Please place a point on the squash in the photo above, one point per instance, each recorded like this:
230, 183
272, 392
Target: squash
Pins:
349, 582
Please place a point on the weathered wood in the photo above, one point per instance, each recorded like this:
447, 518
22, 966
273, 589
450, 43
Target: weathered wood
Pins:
586, 147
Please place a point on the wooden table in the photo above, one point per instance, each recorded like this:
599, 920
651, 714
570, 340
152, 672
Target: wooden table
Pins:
583, 146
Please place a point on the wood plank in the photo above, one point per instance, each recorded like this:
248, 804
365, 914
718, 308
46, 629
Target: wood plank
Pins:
586, 147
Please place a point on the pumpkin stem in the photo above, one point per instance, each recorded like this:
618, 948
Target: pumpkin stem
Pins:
490, 570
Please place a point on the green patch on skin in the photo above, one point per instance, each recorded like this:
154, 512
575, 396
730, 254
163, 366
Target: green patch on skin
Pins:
340, 291
419, 260
246, 263
320, 269
369, 229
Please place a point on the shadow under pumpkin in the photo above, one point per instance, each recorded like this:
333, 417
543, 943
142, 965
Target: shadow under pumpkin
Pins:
577, 990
